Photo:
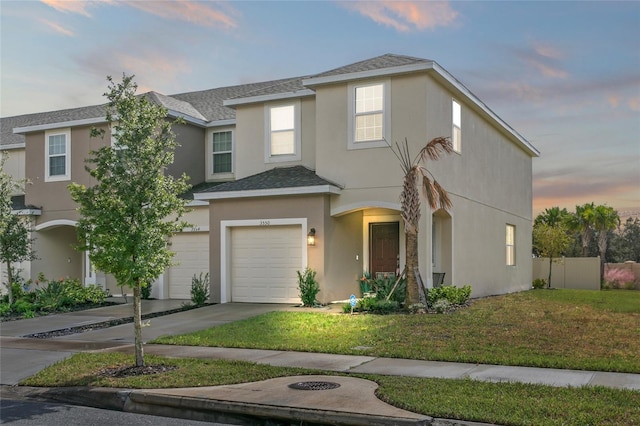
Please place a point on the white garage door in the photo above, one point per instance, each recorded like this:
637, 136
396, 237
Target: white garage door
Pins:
264, 261
192, 256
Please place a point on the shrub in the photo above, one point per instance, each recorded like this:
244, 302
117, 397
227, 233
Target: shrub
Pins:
384, 307
441, 306
539, 283
417, 308
65, 294
454, 295
23, 306
200, 289
619, 278
5, 309
308, 286
145, 291
384, 286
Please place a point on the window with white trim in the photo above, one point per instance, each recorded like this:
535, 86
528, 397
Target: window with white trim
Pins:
369, 120
282, 132
221, 152
456, 133
511, 245
57, 155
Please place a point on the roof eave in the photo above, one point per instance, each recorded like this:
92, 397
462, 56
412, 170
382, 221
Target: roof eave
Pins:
317, 81
268, 98
515, 136
59, 125
272, 192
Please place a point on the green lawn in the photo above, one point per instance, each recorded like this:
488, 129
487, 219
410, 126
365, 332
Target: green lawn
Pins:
559, 328
575, 329
500, 403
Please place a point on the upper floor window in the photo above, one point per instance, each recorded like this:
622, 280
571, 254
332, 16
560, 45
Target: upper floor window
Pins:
57, 155
511, 245
369, 115
283, 132
221, 151
456, 138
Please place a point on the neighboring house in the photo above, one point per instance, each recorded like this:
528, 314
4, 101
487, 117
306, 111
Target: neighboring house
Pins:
275, 161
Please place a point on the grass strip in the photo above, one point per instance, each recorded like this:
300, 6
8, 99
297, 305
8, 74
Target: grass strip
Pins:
501, 403
567, 329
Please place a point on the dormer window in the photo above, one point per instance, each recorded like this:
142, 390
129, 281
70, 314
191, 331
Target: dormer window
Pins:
57, 155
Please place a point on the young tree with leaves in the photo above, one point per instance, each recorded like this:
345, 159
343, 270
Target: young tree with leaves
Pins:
417, 177
129, 215
550, 241
15, 242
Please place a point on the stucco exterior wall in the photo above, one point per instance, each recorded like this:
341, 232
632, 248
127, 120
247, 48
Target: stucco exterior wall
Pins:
489, 181
54, 197
14, 164
312, 207
190, 155
57, 256
250, 138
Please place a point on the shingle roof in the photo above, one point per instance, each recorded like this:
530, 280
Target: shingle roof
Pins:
174, 104
7, 124
277, 178
384, 61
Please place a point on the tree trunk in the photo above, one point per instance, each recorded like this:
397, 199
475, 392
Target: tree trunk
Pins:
602, 246
137, 324
9, 283
413, 296
550, 266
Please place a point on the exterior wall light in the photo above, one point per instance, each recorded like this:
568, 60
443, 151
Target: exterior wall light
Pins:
311, 237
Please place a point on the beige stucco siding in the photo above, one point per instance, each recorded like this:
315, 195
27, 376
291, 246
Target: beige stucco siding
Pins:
54, 197
190, 155
313, 208
251, 138
14, 164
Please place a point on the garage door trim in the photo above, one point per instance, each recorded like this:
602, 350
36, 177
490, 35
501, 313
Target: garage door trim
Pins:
225, 246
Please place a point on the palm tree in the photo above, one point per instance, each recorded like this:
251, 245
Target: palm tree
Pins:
605, 219
552, 216
417, 176
582, 221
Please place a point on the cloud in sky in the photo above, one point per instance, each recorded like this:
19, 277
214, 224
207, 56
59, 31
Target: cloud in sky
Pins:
405, 16
66, 6
206, 14
58, 28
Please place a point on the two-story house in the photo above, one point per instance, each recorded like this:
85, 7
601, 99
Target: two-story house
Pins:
279, 163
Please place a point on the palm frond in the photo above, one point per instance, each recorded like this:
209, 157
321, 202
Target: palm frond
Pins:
434, 149
430, 192
443, 196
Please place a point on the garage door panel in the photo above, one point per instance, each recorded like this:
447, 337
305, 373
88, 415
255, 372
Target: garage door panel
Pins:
264, 261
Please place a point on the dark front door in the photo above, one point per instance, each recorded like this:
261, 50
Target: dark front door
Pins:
385, 238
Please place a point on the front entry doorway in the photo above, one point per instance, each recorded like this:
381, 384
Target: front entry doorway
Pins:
385, 248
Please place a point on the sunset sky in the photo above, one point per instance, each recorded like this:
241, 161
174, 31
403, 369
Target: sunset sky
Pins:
566, 75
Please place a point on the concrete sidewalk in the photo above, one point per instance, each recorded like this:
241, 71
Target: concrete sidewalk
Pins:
352, 402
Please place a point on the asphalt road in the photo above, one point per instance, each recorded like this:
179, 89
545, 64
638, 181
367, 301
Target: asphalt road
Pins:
33, 413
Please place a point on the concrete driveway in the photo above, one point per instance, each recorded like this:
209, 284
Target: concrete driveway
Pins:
22, 357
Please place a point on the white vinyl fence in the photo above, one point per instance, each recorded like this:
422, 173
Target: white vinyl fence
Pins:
569, 272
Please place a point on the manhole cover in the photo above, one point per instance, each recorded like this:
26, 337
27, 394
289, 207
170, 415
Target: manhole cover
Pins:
314, 385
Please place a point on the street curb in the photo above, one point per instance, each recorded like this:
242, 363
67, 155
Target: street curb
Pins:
216, 410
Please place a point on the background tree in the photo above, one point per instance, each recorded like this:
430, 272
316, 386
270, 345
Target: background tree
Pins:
553, 216
582, 221
625, 243
417, 176
15, 242
550, 241
606, 219
128, 217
